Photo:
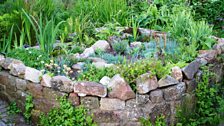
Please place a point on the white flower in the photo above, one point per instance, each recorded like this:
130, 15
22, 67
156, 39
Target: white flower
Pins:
30, 52
42, 62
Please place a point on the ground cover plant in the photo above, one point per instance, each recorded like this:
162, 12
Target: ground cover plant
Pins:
59, 37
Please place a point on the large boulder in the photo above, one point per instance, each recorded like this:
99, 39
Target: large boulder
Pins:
167, 81
146, 83
90, 88
120, 89
32, 75
191, 69
101, 45
62, 83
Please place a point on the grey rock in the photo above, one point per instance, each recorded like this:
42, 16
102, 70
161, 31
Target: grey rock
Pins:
167, 81
32, 75
191, 69
174, 92
146, 83
62, 83
111, 104
90, 102
101, 45
156, 96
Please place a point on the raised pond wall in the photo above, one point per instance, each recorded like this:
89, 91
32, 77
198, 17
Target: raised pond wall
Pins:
117, 105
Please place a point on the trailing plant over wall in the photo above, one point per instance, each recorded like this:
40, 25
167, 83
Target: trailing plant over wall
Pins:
209, 105
28, 108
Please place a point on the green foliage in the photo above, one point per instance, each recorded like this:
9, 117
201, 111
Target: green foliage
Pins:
67, 115
120, 47
30, 57
45, 34
209, 102
160, 121
13, 109
117, 59
212, 11
28, 108
102, 11
91, 73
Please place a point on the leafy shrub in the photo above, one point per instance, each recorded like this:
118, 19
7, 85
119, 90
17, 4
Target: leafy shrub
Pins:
30, 57
13, 109
160, 121
91, 73
28, 108
120, 47
209, 102
66, 115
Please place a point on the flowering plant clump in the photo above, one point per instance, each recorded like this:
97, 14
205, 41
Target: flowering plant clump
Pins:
57, 68
30, 57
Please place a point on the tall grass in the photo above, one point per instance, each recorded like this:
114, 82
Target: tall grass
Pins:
46, 32
103, 11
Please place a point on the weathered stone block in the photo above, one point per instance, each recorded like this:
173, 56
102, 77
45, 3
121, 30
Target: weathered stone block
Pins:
102, 45
46, 80
32, 75
21, 84
146, 83
167, 81
105, 116
174, 92
120, 89
17, 69
177, 73
62, 83
90, 102
90, 88
36, 90
190, 85
191, 69
156, 96
74, 99
111, 104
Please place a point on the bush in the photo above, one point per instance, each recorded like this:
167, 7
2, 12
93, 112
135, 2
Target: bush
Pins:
120, 47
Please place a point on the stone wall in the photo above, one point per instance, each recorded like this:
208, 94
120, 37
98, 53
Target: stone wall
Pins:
112, 101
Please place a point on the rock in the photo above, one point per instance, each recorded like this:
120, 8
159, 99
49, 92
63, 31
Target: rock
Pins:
90, 102
191, 69
21, 84
17, 69
126, 35
101, 45
36, 90
87, 52
174, 92
167, 81
105, 80
105, 116
78, 66
90, 88
139, 101
160, 109
136, 44
2, 60
113, 39
52, 95
96, 59
177, 73
146, 83
120, 89
32, 75
209, 55
8, 61
156, 96
134, 114
202, 61
62, 83
99, 65
46, 80
190, 85
219, 48
74, 99
111, 104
